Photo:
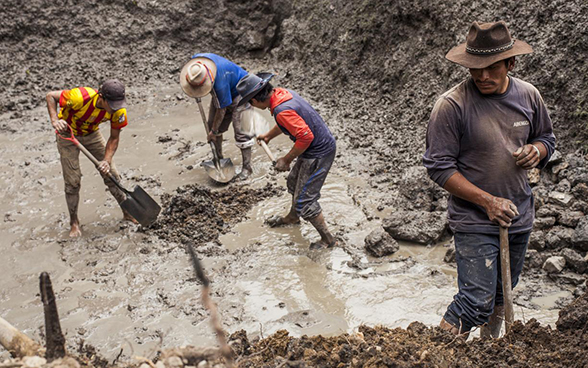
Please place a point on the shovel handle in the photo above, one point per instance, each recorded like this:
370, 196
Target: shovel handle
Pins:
267, 151
87, 153
506, 278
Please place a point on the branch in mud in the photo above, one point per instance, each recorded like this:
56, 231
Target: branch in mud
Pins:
225, 349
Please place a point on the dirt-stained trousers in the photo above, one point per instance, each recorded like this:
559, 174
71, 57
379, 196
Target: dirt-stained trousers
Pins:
233, 114
305, 181
479, 278
70, 163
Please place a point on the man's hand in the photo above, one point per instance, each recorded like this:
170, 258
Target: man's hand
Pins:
527, 156
501, 211
60, 125
282, 164
212, 136
104, 167
263, 137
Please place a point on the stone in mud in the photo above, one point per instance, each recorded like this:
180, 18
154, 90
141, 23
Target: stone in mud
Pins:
534, 176
559, 237
561, 198
543, 222
535, 259
537, 240
574, 260
580, 191
580, 237
573, 316
570, 218
421, 191
416, 226
549, 210
450, 254
554, 264
379, 243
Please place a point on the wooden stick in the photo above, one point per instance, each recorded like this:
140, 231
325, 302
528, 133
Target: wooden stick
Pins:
53, 335
18, 344
506, 279
225, 349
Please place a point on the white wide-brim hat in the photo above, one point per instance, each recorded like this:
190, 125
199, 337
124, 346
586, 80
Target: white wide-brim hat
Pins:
197, 77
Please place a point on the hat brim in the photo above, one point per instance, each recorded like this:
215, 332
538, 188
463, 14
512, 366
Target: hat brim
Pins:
265, 79
118, 104
460, 56
204, 88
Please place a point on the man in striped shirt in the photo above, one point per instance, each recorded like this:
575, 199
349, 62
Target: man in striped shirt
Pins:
314, 150
84, 109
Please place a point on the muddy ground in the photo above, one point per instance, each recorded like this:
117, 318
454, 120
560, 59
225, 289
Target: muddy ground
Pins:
373, 69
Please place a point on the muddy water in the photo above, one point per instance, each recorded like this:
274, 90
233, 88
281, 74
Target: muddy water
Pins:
119, 287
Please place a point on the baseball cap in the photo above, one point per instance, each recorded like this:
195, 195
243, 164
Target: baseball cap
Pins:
113, 92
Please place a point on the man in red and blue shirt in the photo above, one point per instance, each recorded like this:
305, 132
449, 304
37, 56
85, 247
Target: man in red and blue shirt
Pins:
314, 150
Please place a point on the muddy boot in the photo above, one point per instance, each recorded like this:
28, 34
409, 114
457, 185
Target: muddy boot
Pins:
327, 239
494, 325
246, 170
448, 327
289, 219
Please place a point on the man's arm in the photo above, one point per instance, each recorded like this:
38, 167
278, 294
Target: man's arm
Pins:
498, 209
52, 99
300, 130
111, 146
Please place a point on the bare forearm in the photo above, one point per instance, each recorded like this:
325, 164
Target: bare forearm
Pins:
294, 152
52, 99
274, 132
461, 187
111, 147
219, 115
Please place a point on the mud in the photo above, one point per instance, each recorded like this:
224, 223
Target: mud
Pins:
373, 70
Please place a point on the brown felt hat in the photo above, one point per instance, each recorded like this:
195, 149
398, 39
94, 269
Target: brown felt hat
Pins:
487, 43
197, 77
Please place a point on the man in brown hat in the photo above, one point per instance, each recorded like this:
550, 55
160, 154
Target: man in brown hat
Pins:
83, 109
483, 136
210, 73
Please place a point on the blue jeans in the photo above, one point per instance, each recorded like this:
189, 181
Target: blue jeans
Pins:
479, 278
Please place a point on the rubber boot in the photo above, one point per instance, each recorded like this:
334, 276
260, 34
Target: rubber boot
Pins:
494, 325
246, 169
327, 239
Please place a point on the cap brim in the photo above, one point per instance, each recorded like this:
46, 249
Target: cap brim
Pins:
206, 87
118, 104
460, 56
266, 77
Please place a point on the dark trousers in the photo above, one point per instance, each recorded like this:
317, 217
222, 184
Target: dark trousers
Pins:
305, 182
478, 276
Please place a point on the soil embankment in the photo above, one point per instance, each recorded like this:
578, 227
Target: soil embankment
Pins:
373, 70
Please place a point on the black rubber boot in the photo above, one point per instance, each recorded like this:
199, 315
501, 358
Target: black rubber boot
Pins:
327, 239
246, 170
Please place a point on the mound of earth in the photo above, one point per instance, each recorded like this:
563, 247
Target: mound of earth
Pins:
196, 214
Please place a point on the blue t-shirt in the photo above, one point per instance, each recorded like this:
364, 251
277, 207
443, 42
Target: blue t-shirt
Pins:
228, 74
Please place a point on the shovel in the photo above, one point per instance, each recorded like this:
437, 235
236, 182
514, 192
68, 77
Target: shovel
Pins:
138, 203
220, 170
506, 278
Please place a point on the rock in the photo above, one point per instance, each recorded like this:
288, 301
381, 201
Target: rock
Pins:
379, 243
535, 259
537, 240
174, 361
575, 261
421, 191
569, 278
580, 192
556, 169
554, 264
534, 176
555, 158
549, 210
559, 237
573, 315
563, 186
560, 198
578, 177
416, 226
570, 218
450, 254
580, 237
543, 223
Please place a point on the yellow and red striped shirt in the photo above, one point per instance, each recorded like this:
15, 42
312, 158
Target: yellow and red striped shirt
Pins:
78, 108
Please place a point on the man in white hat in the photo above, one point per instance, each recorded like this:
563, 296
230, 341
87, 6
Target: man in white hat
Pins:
83, 109
483, 136
210, 73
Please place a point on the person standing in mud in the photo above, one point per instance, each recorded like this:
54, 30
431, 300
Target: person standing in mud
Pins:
483, 136
210, 73
82, 110
314, 150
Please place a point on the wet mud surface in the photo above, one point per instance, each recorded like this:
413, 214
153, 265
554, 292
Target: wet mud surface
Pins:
373, 70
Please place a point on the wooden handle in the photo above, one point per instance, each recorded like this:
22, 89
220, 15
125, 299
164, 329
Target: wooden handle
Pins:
506, 278
267, 151
17, 343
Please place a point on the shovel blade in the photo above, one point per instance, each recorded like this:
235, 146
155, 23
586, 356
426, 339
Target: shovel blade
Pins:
225, 172
141, 206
